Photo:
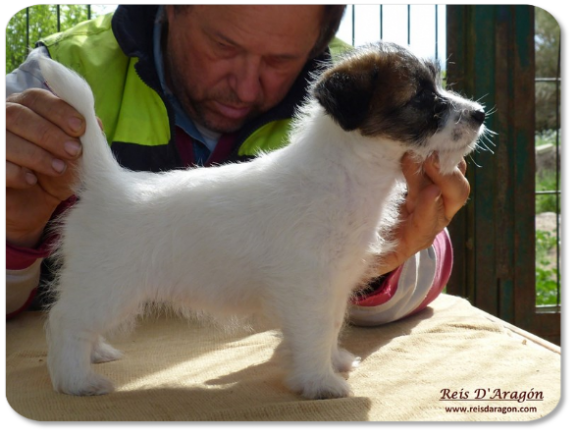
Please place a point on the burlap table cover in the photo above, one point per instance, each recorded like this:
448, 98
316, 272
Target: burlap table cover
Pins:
448, 363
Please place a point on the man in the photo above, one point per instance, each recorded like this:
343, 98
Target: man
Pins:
182, 85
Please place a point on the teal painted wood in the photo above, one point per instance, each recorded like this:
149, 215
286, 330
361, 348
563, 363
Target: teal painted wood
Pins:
470, 48
504, 121
462, 278
489, 219
491, 56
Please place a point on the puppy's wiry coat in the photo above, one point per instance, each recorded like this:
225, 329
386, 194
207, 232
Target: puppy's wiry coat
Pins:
289, 234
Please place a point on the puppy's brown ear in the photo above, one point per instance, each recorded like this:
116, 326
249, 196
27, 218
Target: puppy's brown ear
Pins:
346, 95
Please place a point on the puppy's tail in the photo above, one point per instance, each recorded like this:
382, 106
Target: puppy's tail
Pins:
98, 164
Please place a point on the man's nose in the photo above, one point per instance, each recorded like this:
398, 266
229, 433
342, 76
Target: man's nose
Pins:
246, 79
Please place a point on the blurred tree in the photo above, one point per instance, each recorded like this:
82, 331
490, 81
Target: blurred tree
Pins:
32, 23
547, 40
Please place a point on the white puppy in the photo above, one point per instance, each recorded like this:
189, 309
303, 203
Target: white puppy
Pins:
289, 234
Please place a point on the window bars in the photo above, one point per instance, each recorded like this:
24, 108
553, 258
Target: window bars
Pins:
548, 236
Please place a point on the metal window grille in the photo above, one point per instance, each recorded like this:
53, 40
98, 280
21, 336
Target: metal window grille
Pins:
422, 27
548, 203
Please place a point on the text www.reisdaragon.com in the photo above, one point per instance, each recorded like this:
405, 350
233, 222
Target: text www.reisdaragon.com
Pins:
491, 409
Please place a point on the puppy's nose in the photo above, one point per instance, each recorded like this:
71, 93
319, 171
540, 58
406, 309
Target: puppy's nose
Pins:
479, 116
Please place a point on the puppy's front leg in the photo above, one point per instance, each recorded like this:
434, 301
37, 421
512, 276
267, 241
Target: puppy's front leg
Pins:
343, 360
310, 328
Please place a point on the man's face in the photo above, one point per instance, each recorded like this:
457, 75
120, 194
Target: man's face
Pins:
227, 64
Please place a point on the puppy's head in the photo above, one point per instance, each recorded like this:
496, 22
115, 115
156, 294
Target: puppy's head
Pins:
383, 90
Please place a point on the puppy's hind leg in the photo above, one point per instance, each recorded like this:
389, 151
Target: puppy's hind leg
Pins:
103, 352
69, 354
75, 324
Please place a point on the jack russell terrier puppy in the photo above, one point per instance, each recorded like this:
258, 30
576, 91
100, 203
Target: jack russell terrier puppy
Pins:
289, 234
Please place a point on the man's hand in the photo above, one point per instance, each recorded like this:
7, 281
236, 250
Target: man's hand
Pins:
431, 203
42, 145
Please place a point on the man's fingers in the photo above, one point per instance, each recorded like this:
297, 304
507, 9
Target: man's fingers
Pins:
41, 132
24, 123
462, 166
415, 177
18, 177
412, 169
28, 165
29, 156
432, 201
417, 230
48, 106
429, 217
454, 186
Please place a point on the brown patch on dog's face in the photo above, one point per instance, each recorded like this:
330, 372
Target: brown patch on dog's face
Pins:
384, 89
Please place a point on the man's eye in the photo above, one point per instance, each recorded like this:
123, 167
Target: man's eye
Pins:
224, 47
276, 62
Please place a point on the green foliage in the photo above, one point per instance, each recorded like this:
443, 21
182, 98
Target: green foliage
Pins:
546, 137
546, 181
547, 37
546, 268
547, 40
545, 272
26, 27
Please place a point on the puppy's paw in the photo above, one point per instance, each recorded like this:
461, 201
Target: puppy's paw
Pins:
344, 361
93, 384
321, 387
103, 352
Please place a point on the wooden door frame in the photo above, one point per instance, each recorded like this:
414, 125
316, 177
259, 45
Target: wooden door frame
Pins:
491, 57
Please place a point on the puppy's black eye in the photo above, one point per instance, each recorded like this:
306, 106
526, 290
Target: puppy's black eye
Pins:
424, 92
428, 85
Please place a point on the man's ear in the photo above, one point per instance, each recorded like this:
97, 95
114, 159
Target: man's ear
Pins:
346, 95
